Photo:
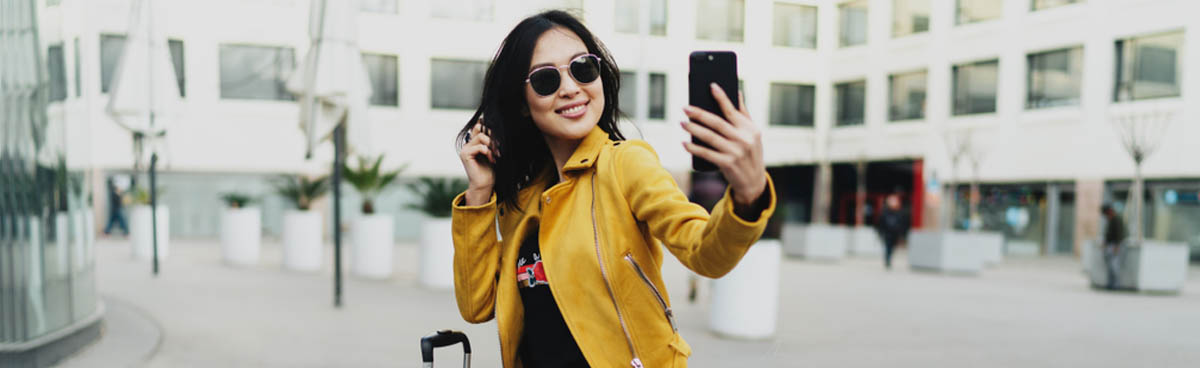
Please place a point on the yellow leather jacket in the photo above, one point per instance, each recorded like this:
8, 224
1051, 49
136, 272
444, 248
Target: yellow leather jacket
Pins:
597, 231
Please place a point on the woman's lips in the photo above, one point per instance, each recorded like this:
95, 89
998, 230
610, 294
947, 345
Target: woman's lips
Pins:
575, 111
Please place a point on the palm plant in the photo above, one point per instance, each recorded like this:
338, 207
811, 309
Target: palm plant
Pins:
302, 190
236, 200
436, 195
369, 180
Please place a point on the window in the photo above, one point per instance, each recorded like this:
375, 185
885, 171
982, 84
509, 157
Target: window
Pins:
906, 96
1047, 4
628, 16
971, 11
256, 72
852, 23
457, 84
382, 71
720, 20
57, 70
850, 99
974, 89
795, 25
378, 6
792, 104
1054, 78
657, 108
78, 84
1148, 66
111, 47
910, 17
176, 48
477, 10
658, 96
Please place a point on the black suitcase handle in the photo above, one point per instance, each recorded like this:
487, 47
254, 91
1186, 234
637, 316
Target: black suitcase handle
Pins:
444, 338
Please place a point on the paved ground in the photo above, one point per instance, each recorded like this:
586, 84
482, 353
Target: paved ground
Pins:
1024, 313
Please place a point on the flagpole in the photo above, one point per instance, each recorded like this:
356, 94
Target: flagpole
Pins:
147, 16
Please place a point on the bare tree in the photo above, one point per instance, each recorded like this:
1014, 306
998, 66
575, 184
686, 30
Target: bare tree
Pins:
958, 143
1141, 131
975, 153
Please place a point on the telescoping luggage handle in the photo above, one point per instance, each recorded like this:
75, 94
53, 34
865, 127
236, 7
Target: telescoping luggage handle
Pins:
444, 338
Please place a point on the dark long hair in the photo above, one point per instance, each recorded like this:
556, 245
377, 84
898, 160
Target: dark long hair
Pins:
523, 151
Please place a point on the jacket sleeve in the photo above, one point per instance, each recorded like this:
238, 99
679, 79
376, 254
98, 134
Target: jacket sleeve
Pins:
476, 259
709, 244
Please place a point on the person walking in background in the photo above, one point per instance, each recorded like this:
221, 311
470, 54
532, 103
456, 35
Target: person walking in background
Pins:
118, 186
893, 225
1114, 235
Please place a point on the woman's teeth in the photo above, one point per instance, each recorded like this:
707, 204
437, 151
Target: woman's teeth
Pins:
574, 110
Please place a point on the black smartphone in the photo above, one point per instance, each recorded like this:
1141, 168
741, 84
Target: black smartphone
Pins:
705, 68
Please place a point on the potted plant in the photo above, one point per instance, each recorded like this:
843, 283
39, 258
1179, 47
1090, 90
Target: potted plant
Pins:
372, 234
241, 230
302, 237
140, 231
436, 266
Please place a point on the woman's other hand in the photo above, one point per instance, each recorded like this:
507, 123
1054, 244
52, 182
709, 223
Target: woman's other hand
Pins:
478, 156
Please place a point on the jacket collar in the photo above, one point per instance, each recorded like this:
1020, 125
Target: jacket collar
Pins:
585, 155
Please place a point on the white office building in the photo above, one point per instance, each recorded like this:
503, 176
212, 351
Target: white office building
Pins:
1034, 84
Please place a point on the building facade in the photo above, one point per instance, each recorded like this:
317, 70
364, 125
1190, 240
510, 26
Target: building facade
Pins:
1033, 85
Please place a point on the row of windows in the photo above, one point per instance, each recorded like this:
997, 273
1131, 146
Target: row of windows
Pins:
912, 16
261, 72
1145, 67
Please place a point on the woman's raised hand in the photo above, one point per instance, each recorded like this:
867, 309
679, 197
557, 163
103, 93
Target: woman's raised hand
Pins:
478, 156
736, 146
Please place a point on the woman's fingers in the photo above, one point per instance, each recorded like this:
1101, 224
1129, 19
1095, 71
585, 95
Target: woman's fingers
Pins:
719, 143
731, 114
705, 153
710, 120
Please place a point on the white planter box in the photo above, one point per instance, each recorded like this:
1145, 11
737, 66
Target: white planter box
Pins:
241, 236
302, 240
745, 302
140, 232
1023, 248
944, 251
992, 243
865, 241
371, 250
437, 254
1154, 266
815, 241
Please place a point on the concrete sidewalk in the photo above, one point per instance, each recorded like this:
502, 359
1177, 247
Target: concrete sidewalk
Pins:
1026, 312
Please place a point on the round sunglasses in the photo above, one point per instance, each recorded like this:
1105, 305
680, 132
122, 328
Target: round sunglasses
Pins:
547, 79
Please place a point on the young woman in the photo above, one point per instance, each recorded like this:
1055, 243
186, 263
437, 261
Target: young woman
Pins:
557, 235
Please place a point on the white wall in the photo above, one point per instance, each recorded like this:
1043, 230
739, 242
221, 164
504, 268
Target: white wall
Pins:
1047, 144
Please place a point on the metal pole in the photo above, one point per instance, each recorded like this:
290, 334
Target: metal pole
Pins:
154, 209
339, 137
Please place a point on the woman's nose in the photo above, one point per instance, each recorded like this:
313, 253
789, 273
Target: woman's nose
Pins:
570, 87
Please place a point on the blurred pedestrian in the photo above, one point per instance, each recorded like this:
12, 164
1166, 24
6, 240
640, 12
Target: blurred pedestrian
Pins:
893, 225
118, 189
1114, 237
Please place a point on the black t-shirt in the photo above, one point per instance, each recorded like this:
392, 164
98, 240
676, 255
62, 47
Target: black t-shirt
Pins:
547, 342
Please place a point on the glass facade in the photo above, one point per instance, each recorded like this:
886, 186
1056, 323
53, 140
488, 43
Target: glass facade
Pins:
47, 268
720, 20
910, 17
852, 23
1054, 78
974, 88
382, 71
906, 96
795, 25
629, 16
850, 103
457, 84
256, 72
792, 104
973, 11
1148, 66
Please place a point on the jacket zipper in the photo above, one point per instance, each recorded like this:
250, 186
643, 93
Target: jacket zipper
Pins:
636, 362
661, 301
